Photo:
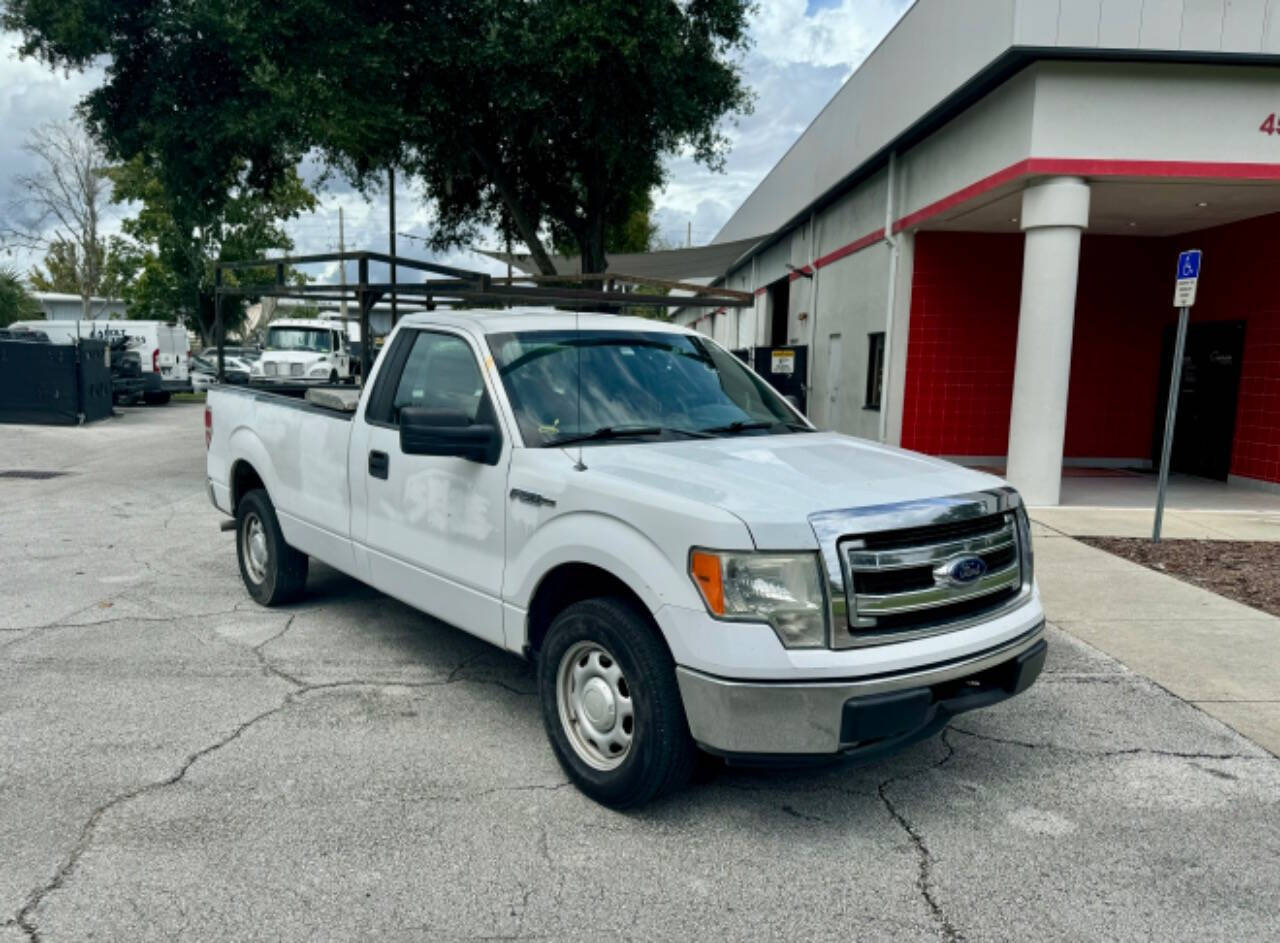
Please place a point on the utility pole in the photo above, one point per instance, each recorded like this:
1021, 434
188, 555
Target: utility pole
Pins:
391, 187
688, 239
342, 266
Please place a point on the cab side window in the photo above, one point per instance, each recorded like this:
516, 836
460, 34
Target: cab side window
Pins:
439, 372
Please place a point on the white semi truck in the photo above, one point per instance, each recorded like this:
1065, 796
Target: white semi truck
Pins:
688, 562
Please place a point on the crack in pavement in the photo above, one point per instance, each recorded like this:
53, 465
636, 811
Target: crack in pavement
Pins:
306, 687
924, 857
24, 918
1127, 751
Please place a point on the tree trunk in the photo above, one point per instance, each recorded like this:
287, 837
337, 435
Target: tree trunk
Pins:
526, 226
591, 248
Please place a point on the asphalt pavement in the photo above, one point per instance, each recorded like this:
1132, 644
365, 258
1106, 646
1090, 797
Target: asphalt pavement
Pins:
176, 762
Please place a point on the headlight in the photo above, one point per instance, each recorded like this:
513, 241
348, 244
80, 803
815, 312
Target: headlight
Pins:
782, 589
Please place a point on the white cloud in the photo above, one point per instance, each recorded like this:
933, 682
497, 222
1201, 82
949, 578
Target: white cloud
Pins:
802, 52
797, 63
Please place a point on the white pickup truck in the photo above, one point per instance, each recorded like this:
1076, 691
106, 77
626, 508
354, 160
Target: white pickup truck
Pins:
689, 563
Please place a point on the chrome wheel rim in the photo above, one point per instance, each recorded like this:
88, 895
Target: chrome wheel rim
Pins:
256, 555
596, 710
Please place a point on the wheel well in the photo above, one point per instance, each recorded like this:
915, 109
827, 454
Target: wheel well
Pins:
569, 583
244, 478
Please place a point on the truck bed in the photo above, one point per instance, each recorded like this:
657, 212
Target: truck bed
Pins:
338, 401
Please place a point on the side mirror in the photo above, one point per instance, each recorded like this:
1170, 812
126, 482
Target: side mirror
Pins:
447, 432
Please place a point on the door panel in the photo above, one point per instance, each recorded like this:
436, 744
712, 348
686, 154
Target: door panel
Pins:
435, 525
1205, 430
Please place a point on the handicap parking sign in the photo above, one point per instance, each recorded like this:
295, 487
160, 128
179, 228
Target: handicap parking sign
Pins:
1188, 277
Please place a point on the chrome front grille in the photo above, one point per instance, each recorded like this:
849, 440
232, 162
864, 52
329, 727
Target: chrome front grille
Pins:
269, 368
914, 579
917, 568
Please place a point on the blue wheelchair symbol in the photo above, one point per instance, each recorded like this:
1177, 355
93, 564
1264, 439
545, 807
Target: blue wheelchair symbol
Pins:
1189, 264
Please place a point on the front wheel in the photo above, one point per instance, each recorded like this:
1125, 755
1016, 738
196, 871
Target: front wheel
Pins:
611, 705
273, 572
155, 399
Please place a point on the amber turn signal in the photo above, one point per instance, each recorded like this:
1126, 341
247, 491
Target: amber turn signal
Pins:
705, 569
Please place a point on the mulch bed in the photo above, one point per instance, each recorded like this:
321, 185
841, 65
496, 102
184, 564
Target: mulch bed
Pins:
1247, 571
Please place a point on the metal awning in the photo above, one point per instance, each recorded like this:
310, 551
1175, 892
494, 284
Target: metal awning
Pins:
694, 262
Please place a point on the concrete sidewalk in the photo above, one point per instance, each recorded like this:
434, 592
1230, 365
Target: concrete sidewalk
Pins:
1122, 504
1178, 524
1219, 655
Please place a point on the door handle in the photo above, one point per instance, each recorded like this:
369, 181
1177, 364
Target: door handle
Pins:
379, 465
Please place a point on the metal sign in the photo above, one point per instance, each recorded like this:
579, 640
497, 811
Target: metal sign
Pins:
1184, 296
1184, 292
783, 361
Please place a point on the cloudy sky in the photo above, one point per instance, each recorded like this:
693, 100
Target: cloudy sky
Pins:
803, 50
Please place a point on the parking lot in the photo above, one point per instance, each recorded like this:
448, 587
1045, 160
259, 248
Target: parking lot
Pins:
176, 761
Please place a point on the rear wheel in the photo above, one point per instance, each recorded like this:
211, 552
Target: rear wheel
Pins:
611, 705
273, 572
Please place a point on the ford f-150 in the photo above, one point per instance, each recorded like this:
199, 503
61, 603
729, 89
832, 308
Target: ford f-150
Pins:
687, 560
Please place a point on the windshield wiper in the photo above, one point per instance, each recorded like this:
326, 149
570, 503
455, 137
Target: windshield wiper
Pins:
623, 432
751, 425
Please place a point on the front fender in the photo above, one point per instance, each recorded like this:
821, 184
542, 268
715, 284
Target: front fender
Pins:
608, 543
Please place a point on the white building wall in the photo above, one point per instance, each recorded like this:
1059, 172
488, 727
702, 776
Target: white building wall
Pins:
941, 45
1155, 111
990, 136
852, 304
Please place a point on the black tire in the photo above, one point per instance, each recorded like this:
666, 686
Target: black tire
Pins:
661, 754
280, 577
156, 399
333, 377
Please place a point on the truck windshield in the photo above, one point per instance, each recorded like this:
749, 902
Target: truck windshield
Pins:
299, 338
635, 386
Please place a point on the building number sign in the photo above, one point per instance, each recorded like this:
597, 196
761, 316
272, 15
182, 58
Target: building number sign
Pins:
1270, 125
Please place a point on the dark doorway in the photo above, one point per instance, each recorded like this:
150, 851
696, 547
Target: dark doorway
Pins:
780, 311
1206, 421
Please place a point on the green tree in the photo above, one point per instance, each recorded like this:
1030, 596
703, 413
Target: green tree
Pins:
64, 266
16, 303
171, 255
545, 118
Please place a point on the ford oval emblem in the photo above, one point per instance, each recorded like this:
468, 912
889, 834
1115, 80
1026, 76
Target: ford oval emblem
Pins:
966, 569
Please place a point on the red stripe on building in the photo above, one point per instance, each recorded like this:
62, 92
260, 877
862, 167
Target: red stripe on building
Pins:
1067, 166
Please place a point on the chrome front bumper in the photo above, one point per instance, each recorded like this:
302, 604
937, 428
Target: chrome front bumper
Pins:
780, 720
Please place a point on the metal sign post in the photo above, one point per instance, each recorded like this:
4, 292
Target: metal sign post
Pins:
1184, 296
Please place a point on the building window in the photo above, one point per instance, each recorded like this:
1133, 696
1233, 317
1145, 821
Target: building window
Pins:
875, 369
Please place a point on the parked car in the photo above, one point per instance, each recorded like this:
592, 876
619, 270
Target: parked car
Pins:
237, 365
163, 349
305, 350
688, 561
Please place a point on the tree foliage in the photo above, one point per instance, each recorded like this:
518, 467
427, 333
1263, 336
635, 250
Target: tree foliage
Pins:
64, 266
172, 255
541, 117
16, 303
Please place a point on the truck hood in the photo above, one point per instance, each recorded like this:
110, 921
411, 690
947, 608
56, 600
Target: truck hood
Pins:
773, 483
